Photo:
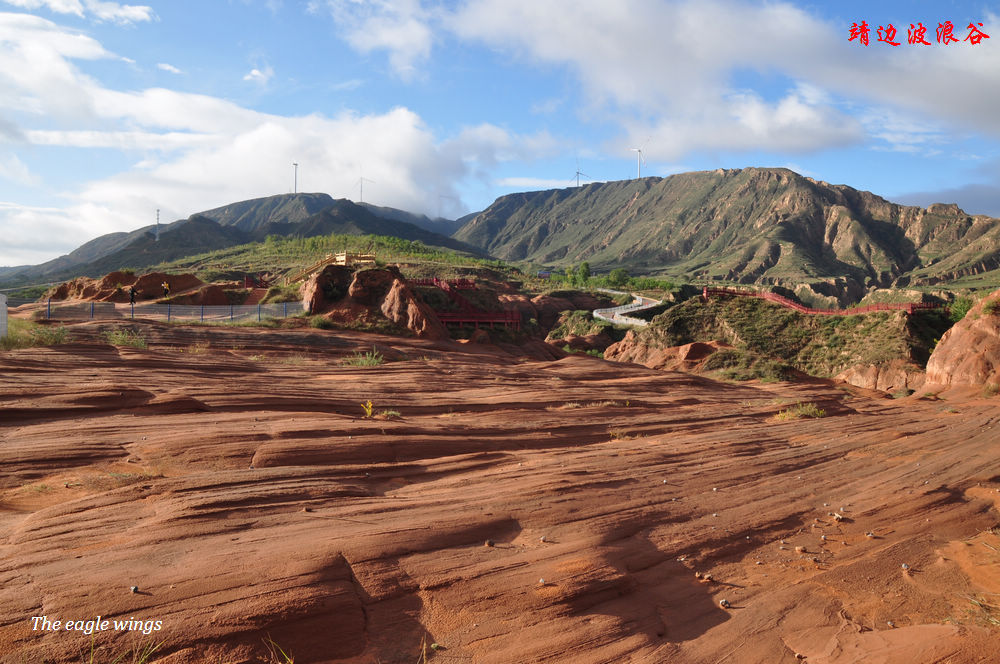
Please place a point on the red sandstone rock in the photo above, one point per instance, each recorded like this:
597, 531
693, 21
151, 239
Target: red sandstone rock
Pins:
969, 353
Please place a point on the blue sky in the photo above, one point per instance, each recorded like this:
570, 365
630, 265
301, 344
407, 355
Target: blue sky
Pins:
109, 111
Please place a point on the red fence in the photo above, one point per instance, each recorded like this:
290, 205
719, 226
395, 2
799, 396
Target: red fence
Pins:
511, 319
908, 307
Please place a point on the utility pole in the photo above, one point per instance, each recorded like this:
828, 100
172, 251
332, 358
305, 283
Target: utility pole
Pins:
295, 181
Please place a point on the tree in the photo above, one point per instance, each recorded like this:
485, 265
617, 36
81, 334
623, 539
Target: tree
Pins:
584, 272
618, 277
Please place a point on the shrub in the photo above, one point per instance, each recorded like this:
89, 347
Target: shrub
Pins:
992, 308
801, 410
28, 334
959, 308
125, 337
321, 323
372, 358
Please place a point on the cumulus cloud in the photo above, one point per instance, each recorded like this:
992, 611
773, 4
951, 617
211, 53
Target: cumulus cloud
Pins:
260, 76
670, 70
194, 152
400, 27
99, 10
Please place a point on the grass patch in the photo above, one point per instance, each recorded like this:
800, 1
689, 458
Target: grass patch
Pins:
321, 323
28, 334
125, 337
388, 415
799, 411
139, 654
991, 390
569, 405
372, 358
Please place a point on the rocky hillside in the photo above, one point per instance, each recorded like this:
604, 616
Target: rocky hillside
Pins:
753, 225
968, 355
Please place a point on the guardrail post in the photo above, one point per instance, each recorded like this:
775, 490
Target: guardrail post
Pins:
284, 313
48, 309
91, 311
258, 312
168, 312
203, 313
230, 312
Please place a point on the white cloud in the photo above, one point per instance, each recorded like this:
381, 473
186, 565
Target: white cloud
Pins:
97, 9
14, 170
260, 76
669, 70
400, 27
194, 152
535, 183
169, 68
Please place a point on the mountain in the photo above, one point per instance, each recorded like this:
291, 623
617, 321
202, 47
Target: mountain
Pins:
436, 225
252, 215
751, 225
299, 215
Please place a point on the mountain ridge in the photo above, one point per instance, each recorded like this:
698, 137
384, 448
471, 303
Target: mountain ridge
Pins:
767, 226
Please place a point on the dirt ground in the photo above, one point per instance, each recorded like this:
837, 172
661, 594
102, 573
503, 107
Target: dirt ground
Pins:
227, 483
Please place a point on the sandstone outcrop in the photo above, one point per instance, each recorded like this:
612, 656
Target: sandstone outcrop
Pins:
368, 296
892, 377
687, 357
969, 353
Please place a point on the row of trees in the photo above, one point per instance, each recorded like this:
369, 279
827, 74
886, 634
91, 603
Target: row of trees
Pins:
618, 278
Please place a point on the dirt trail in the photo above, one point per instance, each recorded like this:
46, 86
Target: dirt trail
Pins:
513, 511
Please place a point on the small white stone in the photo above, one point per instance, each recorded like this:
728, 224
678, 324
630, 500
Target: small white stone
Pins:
134, 589
541, 582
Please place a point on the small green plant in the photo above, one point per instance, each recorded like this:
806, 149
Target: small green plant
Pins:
140, 654
799, 411
902, 393
28, 334
277, 654
125, 337
321, 323
959, 308
991, 390
372, 358
367, 408
991, 308
389, 414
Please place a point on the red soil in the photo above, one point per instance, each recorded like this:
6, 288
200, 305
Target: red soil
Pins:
230, 476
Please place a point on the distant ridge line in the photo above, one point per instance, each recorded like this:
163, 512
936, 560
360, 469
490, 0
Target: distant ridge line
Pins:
908, 307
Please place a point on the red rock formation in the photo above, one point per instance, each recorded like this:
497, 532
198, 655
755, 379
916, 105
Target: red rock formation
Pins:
348, 297
674, 358
969, 353
892, 377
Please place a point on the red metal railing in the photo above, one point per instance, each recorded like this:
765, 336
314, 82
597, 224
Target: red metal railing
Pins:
908, 307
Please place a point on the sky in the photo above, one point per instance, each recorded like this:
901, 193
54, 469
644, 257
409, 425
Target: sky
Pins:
112, 111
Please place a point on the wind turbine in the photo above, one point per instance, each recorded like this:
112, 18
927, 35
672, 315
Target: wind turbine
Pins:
295, 178
361, 186
638, 160
579, 173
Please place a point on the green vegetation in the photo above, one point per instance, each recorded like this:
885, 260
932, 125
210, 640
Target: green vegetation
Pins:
799, 411
321, 322
28, 334
368, 407
581, 323
991, 308
277, 254
769, 340
125, 337
958, 308
372, 358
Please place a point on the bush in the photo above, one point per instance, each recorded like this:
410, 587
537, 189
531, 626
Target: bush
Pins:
125, 337
370, 359
27, 334
801, 410
992, 308
959, 308
321, 323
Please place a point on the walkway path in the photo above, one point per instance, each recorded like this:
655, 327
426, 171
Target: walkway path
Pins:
616, 314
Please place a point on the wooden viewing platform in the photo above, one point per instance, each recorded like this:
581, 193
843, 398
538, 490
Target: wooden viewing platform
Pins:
346, 258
